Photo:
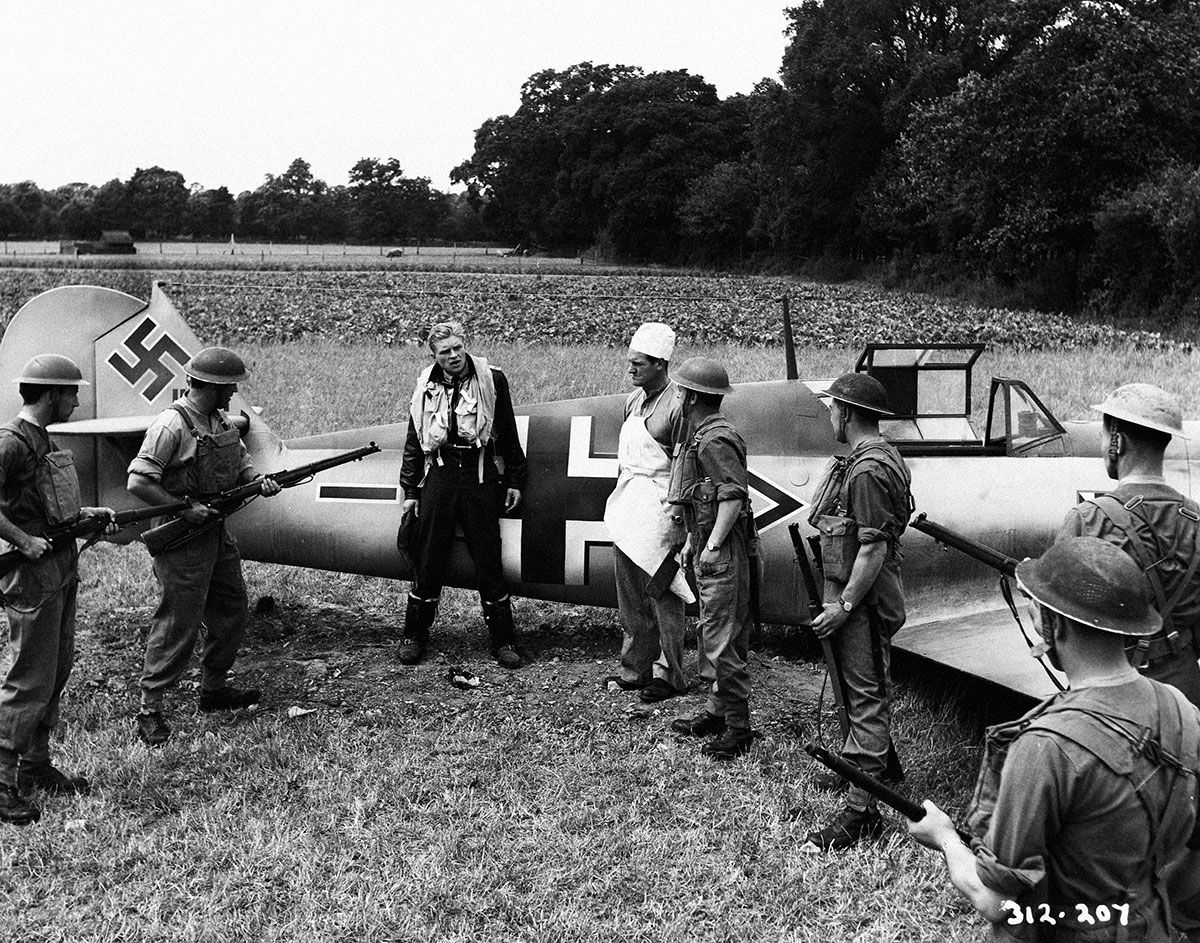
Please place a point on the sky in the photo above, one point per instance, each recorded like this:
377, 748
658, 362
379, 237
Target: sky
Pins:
226, 92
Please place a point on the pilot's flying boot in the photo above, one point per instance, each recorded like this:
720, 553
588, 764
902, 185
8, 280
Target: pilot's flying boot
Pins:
499, 619
418, 617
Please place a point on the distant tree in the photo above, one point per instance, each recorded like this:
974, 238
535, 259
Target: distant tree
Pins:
211, 213
110, 207
292, 205
29, 199
387, 206
718, 209
156, 201
12, 220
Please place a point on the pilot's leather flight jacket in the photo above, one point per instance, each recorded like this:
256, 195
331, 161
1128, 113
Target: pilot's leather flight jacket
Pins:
838, 531
56, 483
216, 466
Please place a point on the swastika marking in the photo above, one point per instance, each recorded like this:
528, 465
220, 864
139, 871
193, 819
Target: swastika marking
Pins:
148, 359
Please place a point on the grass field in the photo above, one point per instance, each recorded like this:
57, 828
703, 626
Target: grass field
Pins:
536, 807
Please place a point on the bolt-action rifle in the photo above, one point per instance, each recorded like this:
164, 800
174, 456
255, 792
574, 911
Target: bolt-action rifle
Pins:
60, 534
865, 781
961, 542
178, 531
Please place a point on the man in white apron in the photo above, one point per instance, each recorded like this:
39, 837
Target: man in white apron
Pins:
646, 538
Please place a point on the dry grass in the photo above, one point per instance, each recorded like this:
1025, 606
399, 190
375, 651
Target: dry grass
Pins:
536, 807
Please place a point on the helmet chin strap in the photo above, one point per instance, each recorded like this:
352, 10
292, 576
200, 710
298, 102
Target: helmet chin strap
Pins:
1113, 454
843, 419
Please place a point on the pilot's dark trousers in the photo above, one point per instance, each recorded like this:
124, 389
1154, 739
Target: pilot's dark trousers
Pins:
453, 496
40, 604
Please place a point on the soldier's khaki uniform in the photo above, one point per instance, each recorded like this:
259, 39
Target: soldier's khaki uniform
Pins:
1159, 529
38, 486
194, 455
864, 499
1082, 809
708, 469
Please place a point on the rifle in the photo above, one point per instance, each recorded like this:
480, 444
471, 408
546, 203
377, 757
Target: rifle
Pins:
814, 609
59, 534
177, 531
898, 801
972, 548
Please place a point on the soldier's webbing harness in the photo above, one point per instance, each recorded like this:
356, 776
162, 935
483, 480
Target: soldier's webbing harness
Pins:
701, 439
1124, 517
1127, 750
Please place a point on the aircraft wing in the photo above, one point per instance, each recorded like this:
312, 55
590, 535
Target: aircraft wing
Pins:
984, 644
118, 426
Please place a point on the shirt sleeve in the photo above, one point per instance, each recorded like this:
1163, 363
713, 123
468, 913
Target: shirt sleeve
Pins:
725, 466
158, 448
11, 452
508, 443
1034, 790
872, 505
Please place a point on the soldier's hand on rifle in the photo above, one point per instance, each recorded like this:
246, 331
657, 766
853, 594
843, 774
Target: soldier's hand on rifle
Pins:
109, 528
34, 547
268, 486
411, 503
832, 618
934, 830
511, 499
198, 513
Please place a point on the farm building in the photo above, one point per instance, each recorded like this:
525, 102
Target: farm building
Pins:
111, 242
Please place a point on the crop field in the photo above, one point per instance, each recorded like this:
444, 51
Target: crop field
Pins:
366, 801
257, 251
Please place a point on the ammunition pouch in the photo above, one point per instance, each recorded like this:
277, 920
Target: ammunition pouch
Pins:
704, 506
839, 545
58, 485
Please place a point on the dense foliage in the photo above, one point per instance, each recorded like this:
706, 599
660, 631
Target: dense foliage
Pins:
380, 205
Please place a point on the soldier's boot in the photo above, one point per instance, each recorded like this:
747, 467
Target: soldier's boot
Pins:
15, 809
418, 617
499, 620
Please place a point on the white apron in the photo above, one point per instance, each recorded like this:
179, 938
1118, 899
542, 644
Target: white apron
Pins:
637, 514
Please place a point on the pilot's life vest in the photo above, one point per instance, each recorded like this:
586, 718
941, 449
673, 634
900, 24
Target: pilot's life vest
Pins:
1160, 771
839, 531
217, 464
474, 413
55, 481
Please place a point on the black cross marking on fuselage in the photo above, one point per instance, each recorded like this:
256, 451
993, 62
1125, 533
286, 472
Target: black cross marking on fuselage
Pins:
552, 499
149, 359
785, 504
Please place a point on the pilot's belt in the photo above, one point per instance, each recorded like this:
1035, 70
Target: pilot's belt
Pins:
461, 456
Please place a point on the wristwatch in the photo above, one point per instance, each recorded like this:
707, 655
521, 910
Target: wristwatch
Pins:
846, 607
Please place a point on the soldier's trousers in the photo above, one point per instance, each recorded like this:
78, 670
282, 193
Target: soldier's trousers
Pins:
40, 603
453, 496
653, 627
864, 650
201, 583
724, 643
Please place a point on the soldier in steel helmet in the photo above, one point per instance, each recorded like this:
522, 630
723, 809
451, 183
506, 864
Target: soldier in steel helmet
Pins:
192, 450
709, 482
861, 509
1152, 522
463, 466
1085, 807
38, 487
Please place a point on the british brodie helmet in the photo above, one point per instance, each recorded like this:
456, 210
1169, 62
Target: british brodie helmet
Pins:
52, 370
703, 375
1144, 405
216, 365
1094, 583
861, 390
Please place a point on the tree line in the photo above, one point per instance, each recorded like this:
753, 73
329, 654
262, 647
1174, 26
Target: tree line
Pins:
1052, 144
380, 205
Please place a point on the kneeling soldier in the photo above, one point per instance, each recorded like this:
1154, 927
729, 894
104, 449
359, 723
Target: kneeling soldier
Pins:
709, 481
190, 450
38, 487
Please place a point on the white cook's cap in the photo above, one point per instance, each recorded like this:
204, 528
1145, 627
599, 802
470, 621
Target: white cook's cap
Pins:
654, 339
